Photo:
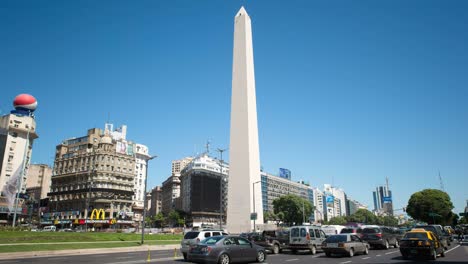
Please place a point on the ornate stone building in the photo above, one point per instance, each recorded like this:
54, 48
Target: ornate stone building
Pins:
92, 172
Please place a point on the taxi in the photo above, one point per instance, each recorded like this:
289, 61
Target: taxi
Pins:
421, 243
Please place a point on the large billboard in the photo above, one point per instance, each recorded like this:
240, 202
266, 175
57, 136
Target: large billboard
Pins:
285, 173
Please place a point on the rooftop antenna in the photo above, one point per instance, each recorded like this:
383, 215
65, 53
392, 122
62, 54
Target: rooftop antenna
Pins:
442, 187
207, 145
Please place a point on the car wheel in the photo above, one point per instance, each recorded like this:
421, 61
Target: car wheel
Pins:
366, 251
434, 255
404, 256
185, 256
442, 254
224, 259
294, 251
351, 252
261, 256
276, 249
328, 254
313, 250
397, 245
387, 245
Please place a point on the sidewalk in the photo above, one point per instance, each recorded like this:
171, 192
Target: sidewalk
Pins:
91, 251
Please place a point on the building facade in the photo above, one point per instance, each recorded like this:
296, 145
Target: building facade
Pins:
38, 181
17, 135
383, 204
93, 181
156, 201
204, 191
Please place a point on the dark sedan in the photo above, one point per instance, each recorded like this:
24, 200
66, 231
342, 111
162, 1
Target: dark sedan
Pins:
226, 249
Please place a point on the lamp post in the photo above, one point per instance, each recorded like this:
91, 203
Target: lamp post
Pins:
144, 201
221, 188
255, 216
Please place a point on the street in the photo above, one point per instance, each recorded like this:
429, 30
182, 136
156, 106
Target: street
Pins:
455, 254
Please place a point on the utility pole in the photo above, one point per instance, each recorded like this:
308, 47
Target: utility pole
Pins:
221, 176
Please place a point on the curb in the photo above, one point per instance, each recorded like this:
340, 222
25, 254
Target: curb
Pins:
72, 252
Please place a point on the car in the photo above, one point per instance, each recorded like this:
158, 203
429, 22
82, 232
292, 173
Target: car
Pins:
306, 238
352, 230
420, 242
345, 244
195, 236
49, 229
272, 240
438, 232
226, 249
380, 236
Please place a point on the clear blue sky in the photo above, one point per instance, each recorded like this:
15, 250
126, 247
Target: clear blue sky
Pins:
348, 92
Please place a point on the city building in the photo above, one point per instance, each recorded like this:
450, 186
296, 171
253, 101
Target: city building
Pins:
17, 135
156, 201
339, 197
383, 204
171, 186
38, 181
352, 206
204, 191
93, 180
320, 206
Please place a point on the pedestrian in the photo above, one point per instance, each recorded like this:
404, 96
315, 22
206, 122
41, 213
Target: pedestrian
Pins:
460, 235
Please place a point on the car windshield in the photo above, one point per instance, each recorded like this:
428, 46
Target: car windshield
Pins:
336, 239
211, 240
416, 235
191, 235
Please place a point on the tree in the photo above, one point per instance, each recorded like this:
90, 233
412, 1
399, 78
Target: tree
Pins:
363, 216
293, 208
431, 206
389, 221
160, 220
174, 217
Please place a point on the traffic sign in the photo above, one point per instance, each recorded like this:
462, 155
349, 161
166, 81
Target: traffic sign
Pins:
253, 216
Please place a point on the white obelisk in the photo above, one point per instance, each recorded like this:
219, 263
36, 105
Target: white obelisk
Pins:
244, 164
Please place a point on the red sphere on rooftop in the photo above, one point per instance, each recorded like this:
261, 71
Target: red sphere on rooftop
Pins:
25, 102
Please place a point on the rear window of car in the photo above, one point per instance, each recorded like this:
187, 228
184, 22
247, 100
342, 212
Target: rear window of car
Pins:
416, 235
347, 230
191, 235
336, 239
371, 230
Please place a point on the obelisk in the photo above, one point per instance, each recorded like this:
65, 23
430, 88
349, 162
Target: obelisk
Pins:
244, 191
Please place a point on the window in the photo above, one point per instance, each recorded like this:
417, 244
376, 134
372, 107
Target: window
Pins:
229, 241
207, 234
317, 233
243, 242
216, 234
303, 232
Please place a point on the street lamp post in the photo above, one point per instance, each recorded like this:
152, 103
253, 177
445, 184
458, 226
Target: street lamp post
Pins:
144, 201
255, 212
221, 188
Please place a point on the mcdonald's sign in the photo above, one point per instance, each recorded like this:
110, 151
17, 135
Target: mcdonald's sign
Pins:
98, 213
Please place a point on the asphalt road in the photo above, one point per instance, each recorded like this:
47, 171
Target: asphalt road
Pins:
456, 254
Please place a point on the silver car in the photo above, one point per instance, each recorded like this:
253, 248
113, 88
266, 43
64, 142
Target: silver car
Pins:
345, 244
195, 236
226, 249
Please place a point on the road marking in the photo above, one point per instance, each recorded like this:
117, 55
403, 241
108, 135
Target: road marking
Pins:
379, 255
366, 258
292, 259
345, 262
316, 256
388, 253
58, 258
451, 249
124, 257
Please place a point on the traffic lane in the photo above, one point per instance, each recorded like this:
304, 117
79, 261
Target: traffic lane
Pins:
101, 258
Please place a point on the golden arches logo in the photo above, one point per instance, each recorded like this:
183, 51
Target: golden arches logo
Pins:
98, 213
113, 221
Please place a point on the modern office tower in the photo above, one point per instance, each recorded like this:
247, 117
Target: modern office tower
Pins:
338, 193
320, 205
156, 201
17, 134
93, 180
383, 204
243, 147
274, 186
38, 181
204, 191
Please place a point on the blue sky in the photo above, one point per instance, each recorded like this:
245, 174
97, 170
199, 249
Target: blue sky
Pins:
348, 92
